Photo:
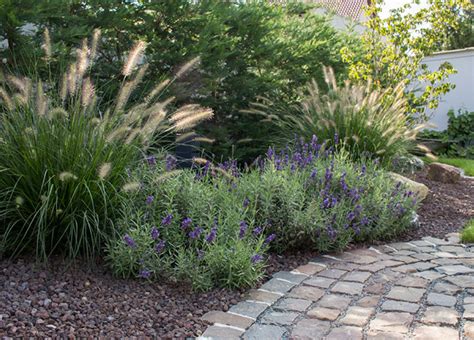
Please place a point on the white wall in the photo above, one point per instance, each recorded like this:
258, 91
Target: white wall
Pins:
462, 97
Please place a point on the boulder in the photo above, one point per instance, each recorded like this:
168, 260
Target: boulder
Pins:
420, 190
443, 173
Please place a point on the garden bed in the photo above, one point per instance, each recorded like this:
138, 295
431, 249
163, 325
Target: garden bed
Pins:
90, 301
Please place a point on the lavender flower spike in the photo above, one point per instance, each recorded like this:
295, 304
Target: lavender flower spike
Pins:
186, 223
149, 199
269, 239
129, 241
160, 246
211, 236
155, 233
167, 220
256, 258
144, 273
243, 229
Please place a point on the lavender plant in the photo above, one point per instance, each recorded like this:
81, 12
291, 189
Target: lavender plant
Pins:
63, 161
216, 222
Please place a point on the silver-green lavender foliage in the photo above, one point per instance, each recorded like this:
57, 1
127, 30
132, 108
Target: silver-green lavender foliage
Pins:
306, 199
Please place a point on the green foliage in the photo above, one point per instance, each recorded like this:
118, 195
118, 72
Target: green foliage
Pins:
466, 164
463, 35
394, 48
247, 49
460, 132
369, 122
308, 198
467, 234
63, 160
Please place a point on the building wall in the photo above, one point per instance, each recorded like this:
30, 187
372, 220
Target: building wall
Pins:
462, 97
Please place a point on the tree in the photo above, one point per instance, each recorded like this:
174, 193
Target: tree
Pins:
394, 49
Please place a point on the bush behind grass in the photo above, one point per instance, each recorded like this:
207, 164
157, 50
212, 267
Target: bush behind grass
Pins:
213, 225
63, 161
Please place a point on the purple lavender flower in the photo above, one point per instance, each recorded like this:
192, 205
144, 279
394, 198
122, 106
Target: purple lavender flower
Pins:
155, 233
129, 241
351, 216
269, 239
212, 235
151, 160
149, 199
160, 246
243, 229
336, 138
194, 234
364, 221
270, 153
363, 169
144, 274
332, 233
256, 258
314, 173
186, 223
170, 163
167, 220
246, 202
257, 231
328, 175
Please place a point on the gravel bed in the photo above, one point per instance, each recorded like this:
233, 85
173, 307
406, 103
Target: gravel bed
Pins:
82, 300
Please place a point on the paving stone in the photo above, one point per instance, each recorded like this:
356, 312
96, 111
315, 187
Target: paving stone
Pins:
445, 261
423, 257
307, 293
347, 266
416, 266
309, 269
405, 253
444, 287
279, 318
469, 330
404, 259
227, 319
295, 278
357, 276
332, 273
422, 243
309, 329
334, 301
391, 322
368, 301
375, 288
218, 332
291, 304
430, 275
374, 267
468, 312
350, 288
436, 314
444, 254
247, 308
441, 300
318, 281
412, 281
378, 335
426, 249
344, 333
323, 313
434, 332
259, 295
400, 306
434, 240
259, 332
279, 286
452, 249
406, 294
469, 300
463, 281
405, 269
402, 245
454, 269
357, 316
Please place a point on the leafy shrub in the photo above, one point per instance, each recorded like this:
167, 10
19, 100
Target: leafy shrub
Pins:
63, 161
247, 48
305, 198
369, 122
460, 133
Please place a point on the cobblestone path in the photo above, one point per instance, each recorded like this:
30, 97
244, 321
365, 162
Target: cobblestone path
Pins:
412, 290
